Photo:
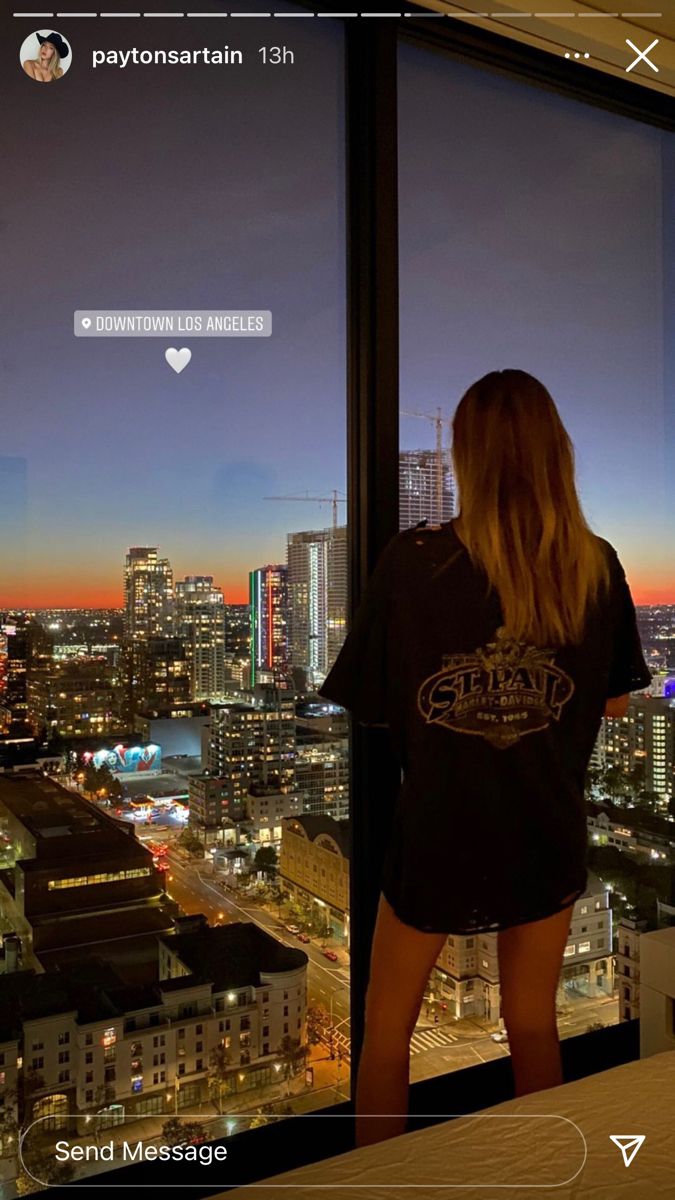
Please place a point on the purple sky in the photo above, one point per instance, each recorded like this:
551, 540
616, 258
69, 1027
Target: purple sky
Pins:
531, 236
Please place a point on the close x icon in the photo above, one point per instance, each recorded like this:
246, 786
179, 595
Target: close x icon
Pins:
642, 55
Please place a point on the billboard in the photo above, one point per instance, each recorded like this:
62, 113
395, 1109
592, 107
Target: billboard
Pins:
130, 760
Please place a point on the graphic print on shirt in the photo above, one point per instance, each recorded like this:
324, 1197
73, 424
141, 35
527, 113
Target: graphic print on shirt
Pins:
501, 691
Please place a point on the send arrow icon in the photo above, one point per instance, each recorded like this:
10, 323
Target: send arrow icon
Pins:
628, 1143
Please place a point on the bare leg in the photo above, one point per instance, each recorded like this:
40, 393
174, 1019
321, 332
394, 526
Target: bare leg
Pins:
530, 962
400, 964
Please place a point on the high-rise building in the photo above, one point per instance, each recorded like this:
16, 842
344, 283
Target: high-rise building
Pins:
642, 746
419, 488
200, 621
148, 594
162, 681
322, 775
73, 696
268, 606
3, 676
15, 697
336, 617
252, 743
148, 613
15, 649
210, 809
317, 600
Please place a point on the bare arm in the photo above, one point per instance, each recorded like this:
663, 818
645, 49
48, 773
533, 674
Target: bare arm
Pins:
617, 706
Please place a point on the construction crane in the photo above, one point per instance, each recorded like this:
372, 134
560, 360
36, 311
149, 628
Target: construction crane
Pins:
334, 500
438, 421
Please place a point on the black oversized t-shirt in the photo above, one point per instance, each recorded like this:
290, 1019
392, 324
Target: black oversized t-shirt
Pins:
494, 736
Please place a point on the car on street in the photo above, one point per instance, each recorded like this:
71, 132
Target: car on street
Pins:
302, 937
292, 928
331, 955
500, 1036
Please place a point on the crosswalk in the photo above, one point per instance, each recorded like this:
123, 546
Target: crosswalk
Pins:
340, 1042
425, 1039
430, 1039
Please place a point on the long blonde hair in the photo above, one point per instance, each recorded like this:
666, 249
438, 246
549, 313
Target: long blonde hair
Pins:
520, 519
54, 65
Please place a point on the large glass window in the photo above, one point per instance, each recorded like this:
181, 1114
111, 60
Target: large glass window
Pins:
536, 232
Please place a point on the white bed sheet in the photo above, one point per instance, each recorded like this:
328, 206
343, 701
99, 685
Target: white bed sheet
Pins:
563, 1149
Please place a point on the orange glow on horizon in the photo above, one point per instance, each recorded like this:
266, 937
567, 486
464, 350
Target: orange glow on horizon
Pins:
74, 596
653, 595
651, 590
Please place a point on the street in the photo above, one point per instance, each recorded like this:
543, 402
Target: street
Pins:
198, 891
435, 1049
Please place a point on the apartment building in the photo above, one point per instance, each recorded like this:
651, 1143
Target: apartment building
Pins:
629, 932
314, 867
466, 975
87, 1041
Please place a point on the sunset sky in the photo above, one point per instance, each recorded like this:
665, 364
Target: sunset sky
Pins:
532, 235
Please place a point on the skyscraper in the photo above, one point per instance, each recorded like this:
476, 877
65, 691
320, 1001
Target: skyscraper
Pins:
148, 593
421, 478
200, 621
162, 678
253, 742
268, 601
317, 599
148, 612
15, 650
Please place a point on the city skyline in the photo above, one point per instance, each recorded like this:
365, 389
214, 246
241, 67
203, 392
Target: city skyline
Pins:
73, 598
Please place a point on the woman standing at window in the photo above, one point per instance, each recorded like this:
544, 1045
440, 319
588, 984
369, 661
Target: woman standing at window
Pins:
491, 646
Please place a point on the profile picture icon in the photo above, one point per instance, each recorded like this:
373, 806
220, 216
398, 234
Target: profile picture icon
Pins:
45, 56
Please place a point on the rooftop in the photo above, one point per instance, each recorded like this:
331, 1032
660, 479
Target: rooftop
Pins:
26, 996
51, 814
315, 824
99, 927
226, 956
233, 955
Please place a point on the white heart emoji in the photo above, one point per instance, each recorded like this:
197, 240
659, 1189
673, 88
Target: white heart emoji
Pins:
86, 322
178, 359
